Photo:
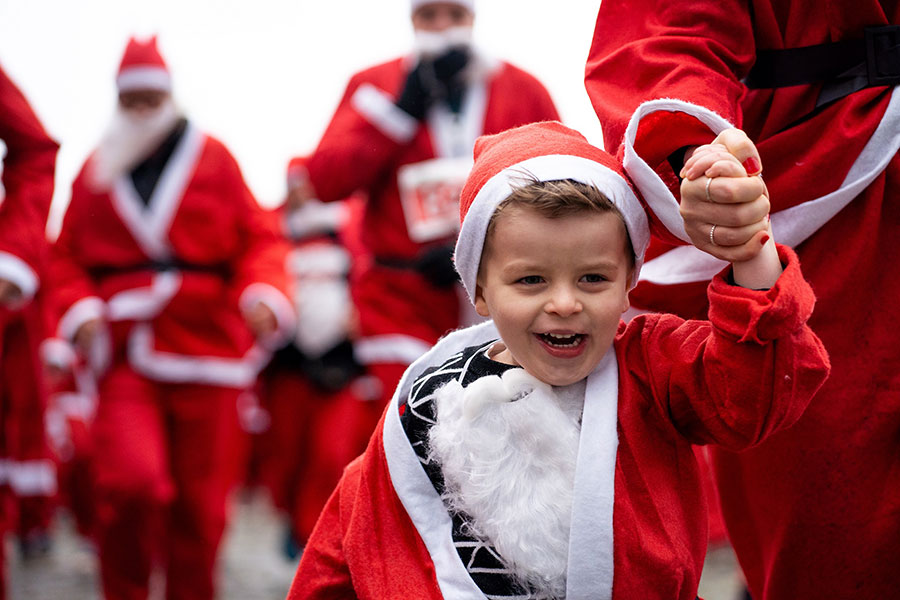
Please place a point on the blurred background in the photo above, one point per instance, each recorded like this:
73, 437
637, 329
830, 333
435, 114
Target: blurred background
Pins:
263, 76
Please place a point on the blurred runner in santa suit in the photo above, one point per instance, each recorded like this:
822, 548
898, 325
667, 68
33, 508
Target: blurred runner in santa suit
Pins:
403, 133
26, 471
814, 511
170, 279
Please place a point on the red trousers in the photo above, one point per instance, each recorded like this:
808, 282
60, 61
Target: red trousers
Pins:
22, 443
166, 456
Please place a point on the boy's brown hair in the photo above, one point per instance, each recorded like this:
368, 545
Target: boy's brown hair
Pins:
559, 198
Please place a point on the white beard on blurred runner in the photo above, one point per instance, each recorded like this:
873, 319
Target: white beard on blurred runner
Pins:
130, 138
434, 43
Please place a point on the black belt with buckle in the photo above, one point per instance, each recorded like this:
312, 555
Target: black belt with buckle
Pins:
841, 67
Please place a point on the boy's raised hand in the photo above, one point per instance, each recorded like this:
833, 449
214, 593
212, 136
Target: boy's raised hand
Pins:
726, 210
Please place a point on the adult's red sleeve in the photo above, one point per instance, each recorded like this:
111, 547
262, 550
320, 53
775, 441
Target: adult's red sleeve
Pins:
28, 171
692, 51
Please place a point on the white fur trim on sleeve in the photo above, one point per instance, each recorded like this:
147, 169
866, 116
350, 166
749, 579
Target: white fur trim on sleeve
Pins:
652, 188
84, 310
389, 348
16, 270
551, 167
378, 108
58, 353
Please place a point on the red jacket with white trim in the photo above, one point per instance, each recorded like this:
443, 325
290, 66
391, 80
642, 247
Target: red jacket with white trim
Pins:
811, 510
171, 276
735, 380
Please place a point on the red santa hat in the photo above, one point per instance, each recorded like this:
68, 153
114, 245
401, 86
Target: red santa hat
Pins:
143, 68
467, 4
547, 151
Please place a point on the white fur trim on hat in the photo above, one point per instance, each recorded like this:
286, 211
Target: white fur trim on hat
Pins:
550, 167
144, 78
417, 4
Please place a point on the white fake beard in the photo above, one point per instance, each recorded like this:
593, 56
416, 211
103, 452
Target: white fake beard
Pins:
321, 297
128, 140
434, 43
508, 453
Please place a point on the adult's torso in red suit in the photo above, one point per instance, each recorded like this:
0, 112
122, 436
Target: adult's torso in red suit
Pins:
386, 533
365, 147
169, 277
26, 470
813, 511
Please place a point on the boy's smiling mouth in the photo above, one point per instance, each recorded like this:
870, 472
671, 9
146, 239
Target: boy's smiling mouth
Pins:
561, 341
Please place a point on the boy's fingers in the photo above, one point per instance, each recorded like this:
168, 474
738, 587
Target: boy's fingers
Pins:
733, 189
709, 160
705, 155
726, 168
742, 148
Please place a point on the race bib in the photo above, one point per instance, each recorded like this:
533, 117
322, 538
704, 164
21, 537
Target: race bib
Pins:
429, 193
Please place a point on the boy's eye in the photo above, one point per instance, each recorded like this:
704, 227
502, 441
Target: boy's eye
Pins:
530, 279
593, 278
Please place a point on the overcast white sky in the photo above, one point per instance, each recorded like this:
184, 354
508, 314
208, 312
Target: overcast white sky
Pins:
264, 76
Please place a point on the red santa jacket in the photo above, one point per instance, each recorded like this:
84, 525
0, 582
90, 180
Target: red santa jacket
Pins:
27, 189
171, 277
811, 511
638, 518
369, 139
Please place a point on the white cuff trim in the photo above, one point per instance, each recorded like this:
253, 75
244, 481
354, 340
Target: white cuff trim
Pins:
652, 188
238, 372
29, 477
16, 270
58, 353
394, 348
378, 108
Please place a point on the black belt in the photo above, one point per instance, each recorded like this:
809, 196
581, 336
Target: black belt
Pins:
841, 67
102, 271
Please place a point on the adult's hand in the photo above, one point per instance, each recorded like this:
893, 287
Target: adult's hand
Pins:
725, 211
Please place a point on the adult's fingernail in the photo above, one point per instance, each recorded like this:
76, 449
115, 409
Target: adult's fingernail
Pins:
752, 166
764, 239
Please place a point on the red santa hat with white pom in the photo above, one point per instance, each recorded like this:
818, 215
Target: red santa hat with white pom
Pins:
143, 68
547, 151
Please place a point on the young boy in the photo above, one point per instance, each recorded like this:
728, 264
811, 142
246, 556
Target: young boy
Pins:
556, 461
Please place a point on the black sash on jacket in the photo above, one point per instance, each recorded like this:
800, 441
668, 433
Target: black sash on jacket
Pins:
841, 67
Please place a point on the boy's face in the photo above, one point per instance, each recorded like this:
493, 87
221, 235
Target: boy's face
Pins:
555, 288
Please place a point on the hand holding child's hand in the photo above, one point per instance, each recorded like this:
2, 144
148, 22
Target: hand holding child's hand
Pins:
718, 196
726, 210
